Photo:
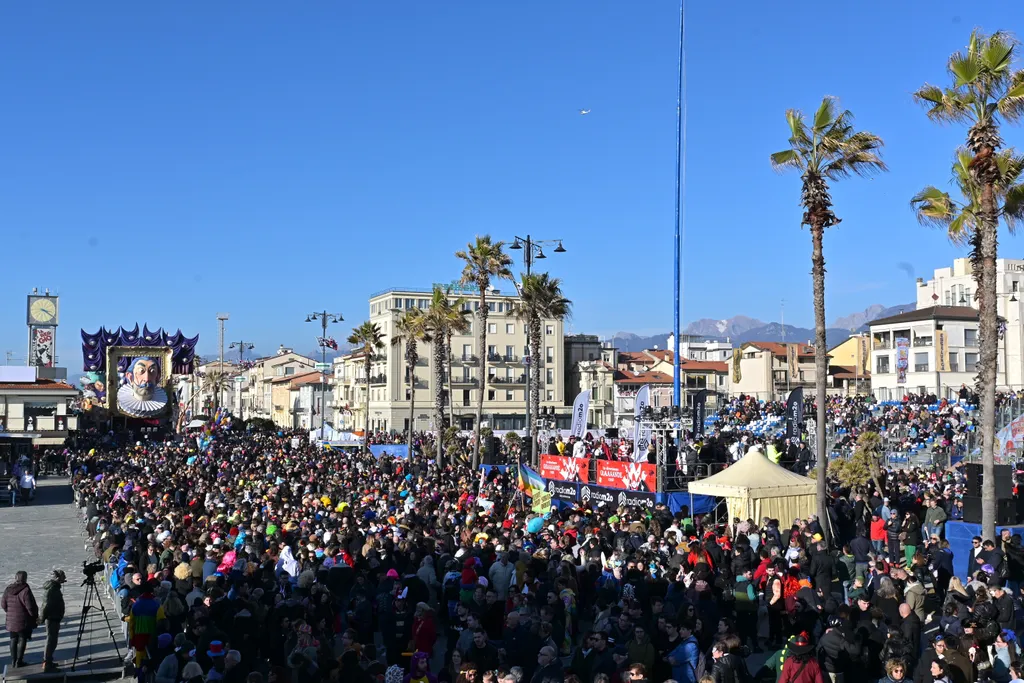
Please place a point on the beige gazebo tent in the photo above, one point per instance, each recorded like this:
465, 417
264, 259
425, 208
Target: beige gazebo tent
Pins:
755, 488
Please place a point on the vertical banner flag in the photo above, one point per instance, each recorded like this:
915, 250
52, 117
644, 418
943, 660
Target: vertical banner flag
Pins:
863, 354
699, 411
792, 358
580, 410
902, 359
794, 413
736, 374
941, 351
641, 435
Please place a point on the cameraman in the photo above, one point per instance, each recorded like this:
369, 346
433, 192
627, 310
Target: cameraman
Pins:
53, 613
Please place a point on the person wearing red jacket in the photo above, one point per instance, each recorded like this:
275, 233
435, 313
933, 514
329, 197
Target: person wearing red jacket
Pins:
878, 533
801, 666
424, 630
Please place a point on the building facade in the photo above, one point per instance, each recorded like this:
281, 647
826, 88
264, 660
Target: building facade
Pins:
770, 370
955, 286
504, 366
33, 410
695, 347
257, 390
939, 350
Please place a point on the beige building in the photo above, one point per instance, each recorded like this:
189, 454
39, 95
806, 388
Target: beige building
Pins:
349, 392
34, 410
503, 366
770, 370
590, 366
257, 389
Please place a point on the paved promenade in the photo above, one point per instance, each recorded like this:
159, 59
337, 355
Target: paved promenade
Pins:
40, 537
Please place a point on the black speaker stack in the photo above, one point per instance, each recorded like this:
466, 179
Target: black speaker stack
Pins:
1006, 504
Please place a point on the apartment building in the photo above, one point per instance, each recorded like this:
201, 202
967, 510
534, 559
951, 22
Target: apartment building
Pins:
504, 365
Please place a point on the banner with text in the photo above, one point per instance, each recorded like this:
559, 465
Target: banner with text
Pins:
794, 413
700, 404
942, 351
595, 495
641, 435
580, 410
635, 476
566, 491
902, 359
564, 468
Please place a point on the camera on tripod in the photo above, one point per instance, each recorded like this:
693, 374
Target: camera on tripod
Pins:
90, 569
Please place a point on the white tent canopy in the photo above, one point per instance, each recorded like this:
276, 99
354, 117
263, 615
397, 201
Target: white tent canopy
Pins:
755, 488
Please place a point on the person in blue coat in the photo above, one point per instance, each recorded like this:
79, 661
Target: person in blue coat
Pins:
684, 653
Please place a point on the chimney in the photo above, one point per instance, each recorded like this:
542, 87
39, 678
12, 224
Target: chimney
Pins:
920, 282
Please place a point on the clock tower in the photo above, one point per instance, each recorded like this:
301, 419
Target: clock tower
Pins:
43, 317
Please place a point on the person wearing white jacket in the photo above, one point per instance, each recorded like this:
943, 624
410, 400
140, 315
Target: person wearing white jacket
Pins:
501, 574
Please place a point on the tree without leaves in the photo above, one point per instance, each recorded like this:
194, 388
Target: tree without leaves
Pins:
368, 339
827, 150
985, 86
484, 261
541, 298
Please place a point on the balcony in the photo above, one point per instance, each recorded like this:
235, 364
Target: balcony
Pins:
467, 358
879, 344
465, 381
379, 379
521, 379
922, 342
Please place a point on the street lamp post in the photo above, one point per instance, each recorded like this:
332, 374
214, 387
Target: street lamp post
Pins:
324, 317
221, 317
532, 249
242, 347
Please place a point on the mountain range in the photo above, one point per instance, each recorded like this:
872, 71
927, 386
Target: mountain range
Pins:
741, 328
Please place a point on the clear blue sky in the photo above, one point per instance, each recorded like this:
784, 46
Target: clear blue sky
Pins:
163, 161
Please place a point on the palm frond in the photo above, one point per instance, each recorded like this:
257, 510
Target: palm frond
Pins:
826, 114
799, 136
943, 105
997, 52
934, 207
788, 158
1013, 207
964, 69
1011, 104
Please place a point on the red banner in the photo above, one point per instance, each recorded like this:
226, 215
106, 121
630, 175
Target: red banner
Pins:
634, 476
563, 468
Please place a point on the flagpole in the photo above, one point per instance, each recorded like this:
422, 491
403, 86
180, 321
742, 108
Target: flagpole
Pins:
676, 365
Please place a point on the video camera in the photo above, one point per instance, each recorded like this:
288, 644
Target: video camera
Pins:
90, 569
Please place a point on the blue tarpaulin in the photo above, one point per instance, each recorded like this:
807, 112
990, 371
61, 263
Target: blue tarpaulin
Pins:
959, 535
700, 504
394, 450
487, 469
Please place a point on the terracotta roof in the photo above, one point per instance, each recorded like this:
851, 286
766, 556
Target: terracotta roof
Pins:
706, 365
930, 313
305, 378
779, 349
635, 357
847, 372
291, 378
626, 377
661, 354
45, 384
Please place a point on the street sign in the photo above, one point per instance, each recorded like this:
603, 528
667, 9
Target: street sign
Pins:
322, 367
239, 379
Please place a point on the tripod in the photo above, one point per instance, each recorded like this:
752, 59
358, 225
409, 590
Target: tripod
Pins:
92, 595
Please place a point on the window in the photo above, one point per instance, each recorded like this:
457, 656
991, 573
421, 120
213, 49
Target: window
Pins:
550, 395
408, 395
492, 351
550, 353
949, 298
465, 397
510, 328
490, 394
882, 365
510, 351
921, 362
549, 376
954, 362
410, 303
970, 337
278, 372
467, 350
289, 371
510, 395
549, 330
396, 303
465, 374
476, 305
970, 362
490, 306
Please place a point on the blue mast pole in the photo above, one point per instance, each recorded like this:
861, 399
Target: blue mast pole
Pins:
676, 388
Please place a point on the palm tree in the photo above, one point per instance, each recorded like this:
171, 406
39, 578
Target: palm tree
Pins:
216, 381
411, 328
444, 318
485, 260
540, 298
369, 337
826, 151
985, 87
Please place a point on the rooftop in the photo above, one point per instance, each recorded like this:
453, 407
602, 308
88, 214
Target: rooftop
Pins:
930, 313
39, 384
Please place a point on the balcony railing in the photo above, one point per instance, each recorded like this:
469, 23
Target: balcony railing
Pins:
472, 381
882, 345
521, 379
920, 367
466, 358
378, 379
922, 342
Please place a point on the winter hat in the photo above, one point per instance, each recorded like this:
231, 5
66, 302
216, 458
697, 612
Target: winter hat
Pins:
191, 670
394, 674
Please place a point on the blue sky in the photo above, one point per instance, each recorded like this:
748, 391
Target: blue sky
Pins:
166, 161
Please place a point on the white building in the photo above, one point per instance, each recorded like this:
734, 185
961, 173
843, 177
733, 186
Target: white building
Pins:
505, 400
694, 347
956, 287
916, 335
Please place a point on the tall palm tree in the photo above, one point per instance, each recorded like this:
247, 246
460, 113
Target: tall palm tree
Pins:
369, 339
216, 381
828, 150
485, 261
444, 318
410, 329
541, 298
986, 86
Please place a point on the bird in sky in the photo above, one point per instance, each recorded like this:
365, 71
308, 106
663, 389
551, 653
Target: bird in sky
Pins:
584, 111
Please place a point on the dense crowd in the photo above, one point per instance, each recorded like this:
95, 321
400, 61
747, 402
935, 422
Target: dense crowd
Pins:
260, 561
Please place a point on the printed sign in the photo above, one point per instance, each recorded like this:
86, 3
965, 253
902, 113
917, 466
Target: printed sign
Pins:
902, 359
563, 490
564, 468
594, 495
541, 503
633, 476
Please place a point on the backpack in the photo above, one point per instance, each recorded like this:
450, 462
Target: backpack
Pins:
701, 669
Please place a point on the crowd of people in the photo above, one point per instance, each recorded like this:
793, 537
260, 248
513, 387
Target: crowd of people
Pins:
261, 561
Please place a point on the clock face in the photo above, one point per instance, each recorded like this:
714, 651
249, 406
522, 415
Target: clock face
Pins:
43, 311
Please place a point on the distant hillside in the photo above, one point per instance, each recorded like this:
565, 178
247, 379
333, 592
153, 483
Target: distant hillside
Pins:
773, 332
627, 341
855, 320
728, 328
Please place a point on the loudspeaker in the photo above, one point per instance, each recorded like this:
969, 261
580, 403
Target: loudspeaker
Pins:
1006, 510
612, 432
491, 448
1004, 480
